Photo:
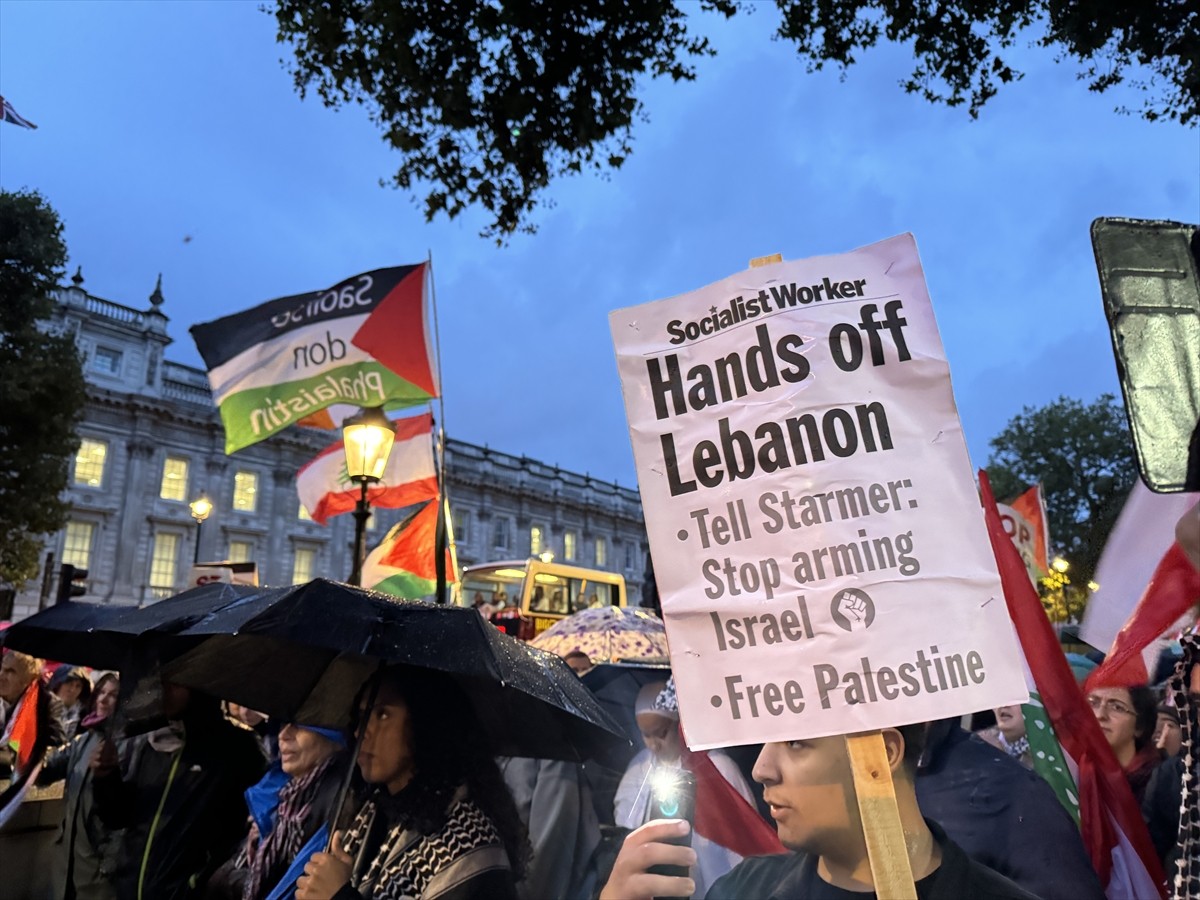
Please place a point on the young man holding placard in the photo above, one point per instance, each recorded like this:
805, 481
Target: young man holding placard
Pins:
810, 788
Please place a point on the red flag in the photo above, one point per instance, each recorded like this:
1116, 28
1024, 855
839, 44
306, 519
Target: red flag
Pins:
723, 815
397, 332
1173, 589
412, 547
1113, 830
23, 734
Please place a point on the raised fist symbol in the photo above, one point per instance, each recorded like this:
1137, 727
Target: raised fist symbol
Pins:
852, 609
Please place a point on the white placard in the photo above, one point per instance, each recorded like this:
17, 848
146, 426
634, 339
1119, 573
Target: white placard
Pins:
817, 535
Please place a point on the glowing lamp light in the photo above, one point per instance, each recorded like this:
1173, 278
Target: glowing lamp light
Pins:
200, 508
367, 438
1060, 565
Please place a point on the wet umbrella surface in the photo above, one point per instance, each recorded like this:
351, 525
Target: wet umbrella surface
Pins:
303, 653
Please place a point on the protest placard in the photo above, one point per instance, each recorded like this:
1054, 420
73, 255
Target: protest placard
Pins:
816, 530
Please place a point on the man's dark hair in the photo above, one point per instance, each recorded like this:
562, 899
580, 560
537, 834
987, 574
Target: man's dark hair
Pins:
914, 743
1146, 709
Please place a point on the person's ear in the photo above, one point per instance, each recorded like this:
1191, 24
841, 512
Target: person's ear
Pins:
893, 745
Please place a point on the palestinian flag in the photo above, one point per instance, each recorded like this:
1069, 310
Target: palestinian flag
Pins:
405, 562
326, 490
1110, 821
271, 366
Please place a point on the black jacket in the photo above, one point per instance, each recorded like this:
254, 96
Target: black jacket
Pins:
793, 876
186, 805
1004, 816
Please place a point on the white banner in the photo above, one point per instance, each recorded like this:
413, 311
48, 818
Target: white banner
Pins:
816, 531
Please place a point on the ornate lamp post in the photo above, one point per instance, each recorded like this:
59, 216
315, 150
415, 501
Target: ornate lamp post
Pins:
367, 439
200, 508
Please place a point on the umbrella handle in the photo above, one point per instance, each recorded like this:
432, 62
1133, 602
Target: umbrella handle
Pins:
344, 791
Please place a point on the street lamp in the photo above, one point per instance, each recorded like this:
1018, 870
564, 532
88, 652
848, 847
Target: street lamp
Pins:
367, 439
200, 508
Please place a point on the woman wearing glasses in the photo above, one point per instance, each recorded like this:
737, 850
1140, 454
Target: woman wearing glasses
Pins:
1127, 717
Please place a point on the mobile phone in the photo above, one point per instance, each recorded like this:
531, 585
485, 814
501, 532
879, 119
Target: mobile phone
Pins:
672, 796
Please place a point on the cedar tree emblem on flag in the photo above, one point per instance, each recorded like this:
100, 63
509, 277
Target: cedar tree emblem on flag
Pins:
410, 477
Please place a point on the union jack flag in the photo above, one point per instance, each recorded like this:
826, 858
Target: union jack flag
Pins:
11, 115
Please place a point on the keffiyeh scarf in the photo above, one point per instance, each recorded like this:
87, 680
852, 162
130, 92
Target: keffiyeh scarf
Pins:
1186, 882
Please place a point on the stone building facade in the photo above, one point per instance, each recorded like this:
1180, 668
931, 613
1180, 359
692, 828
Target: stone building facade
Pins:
152, 442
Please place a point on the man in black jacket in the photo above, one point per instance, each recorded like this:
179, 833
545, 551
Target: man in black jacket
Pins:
178, 794
810, 790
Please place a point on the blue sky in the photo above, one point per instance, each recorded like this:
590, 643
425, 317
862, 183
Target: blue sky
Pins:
160, 121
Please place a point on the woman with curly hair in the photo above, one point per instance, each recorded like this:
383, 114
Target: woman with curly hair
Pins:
438, 821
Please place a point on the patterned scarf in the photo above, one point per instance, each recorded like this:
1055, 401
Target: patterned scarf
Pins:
1017, 748
406, 874
279, 847
1187, 873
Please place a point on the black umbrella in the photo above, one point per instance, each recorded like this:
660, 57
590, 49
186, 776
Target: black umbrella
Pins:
103, 636
303, 653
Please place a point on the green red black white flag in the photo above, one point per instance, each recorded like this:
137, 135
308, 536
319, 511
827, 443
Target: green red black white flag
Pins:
365, 341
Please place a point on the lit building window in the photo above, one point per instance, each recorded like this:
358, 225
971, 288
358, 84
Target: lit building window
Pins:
163, 564
89, 462
77, 544
303, 565
240, 551
245, 491
500, 533
569, 548
303, 515
107, 360
601, 551
174, 479
535, 540
371, 521
630, 557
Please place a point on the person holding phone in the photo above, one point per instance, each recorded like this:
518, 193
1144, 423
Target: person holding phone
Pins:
810, 789
660, 767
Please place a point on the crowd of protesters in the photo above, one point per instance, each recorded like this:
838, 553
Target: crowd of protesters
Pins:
210, 800
189, 797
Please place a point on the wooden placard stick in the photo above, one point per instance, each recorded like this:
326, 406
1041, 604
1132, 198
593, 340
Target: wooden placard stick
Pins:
766, 260
891, 869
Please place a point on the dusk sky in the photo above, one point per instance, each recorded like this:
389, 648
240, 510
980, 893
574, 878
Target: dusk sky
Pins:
171, 140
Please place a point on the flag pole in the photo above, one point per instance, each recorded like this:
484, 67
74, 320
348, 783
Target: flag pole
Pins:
440, 541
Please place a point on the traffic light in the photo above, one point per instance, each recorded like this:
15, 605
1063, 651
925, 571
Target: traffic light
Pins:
69, 582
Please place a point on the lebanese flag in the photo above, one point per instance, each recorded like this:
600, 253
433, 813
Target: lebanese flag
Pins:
1132, 565
405, 562
1110, 822
410, 477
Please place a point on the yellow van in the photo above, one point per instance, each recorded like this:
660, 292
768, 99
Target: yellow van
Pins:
528, 596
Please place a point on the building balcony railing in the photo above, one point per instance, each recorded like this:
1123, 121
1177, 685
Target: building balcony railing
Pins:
115, 311
188, 393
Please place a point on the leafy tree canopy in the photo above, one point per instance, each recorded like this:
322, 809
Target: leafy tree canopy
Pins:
1083, 456
43, 389
488, 100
